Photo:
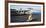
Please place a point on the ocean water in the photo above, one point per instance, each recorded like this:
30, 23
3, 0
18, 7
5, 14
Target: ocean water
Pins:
35, 17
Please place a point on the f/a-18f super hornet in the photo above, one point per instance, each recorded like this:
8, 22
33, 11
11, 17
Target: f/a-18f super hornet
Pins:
21, 11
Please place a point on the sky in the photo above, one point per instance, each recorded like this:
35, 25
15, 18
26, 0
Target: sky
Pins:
24, 7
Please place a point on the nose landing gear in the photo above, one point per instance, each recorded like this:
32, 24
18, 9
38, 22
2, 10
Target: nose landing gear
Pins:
29, 18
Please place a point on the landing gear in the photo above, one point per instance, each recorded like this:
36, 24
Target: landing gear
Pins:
29, 18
